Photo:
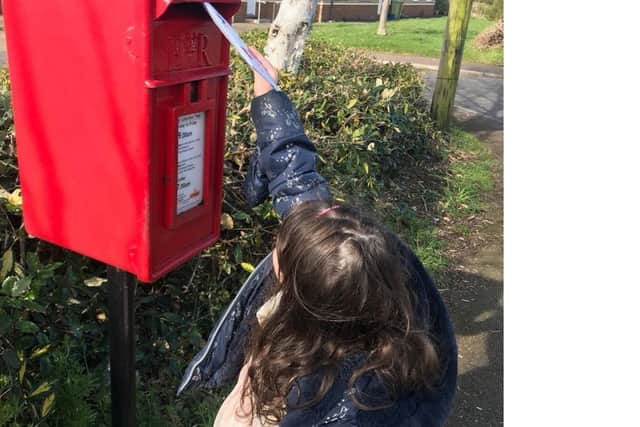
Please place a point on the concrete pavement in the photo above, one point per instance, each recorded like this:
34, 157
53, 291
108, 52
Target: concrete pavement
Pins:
241, 27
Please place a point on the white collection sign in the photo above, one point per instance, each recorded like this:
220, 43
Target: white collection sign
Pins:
190, 161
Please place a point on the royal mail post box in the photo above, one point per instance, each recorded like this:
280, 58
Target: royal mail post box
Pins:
120, 115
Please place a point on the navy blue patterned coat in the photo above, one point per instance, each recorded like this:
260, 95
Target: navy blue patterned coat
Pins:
284, 167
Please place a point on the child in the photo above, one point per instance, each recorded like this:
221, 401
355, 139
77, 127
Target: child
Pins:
353, 331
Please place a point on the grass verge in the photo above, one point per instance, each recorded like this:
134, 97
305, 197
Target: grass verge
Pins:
468, 174
418, 36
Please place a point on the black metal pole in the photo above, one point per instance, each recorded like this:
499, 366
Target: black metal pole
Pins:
122, 347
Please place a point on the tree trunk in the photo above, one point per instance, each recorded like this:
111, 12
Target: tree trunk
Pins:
382, 23
450, 61
288, 33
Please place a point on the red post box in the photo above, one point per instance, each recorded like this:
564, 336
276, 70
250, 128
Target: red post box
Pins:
120, 116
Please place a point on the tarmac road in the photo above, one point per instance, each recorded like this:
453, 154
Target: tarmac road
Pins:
477, 97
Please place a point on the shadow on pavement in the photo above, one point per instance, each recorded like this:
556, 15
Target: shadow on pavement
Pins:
475, 304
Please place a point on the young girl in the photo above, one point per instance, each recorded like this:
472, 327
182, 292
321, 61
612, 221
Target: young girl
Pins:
350, 330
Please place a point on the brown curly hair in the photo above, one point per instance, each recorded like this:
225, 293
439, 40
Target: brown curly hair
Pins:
344, 291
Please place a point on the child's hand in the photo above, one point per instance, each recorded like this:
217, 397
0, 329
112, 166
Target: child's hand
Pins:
260, 85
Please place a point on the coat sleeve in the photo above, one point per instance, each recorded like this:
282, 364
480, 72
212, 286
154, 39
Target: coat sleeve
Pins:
284, 165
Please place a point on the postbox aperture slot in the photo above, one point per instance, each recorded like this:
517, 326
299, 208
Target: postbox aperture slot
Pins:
194, 91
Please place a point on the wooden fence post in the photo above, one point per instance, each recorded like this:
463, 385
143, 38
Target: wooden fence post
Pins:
450, 61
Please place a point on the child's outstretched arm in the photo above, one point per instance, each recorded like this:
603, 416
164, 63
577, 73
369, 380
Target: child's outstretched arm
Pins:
284, 165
